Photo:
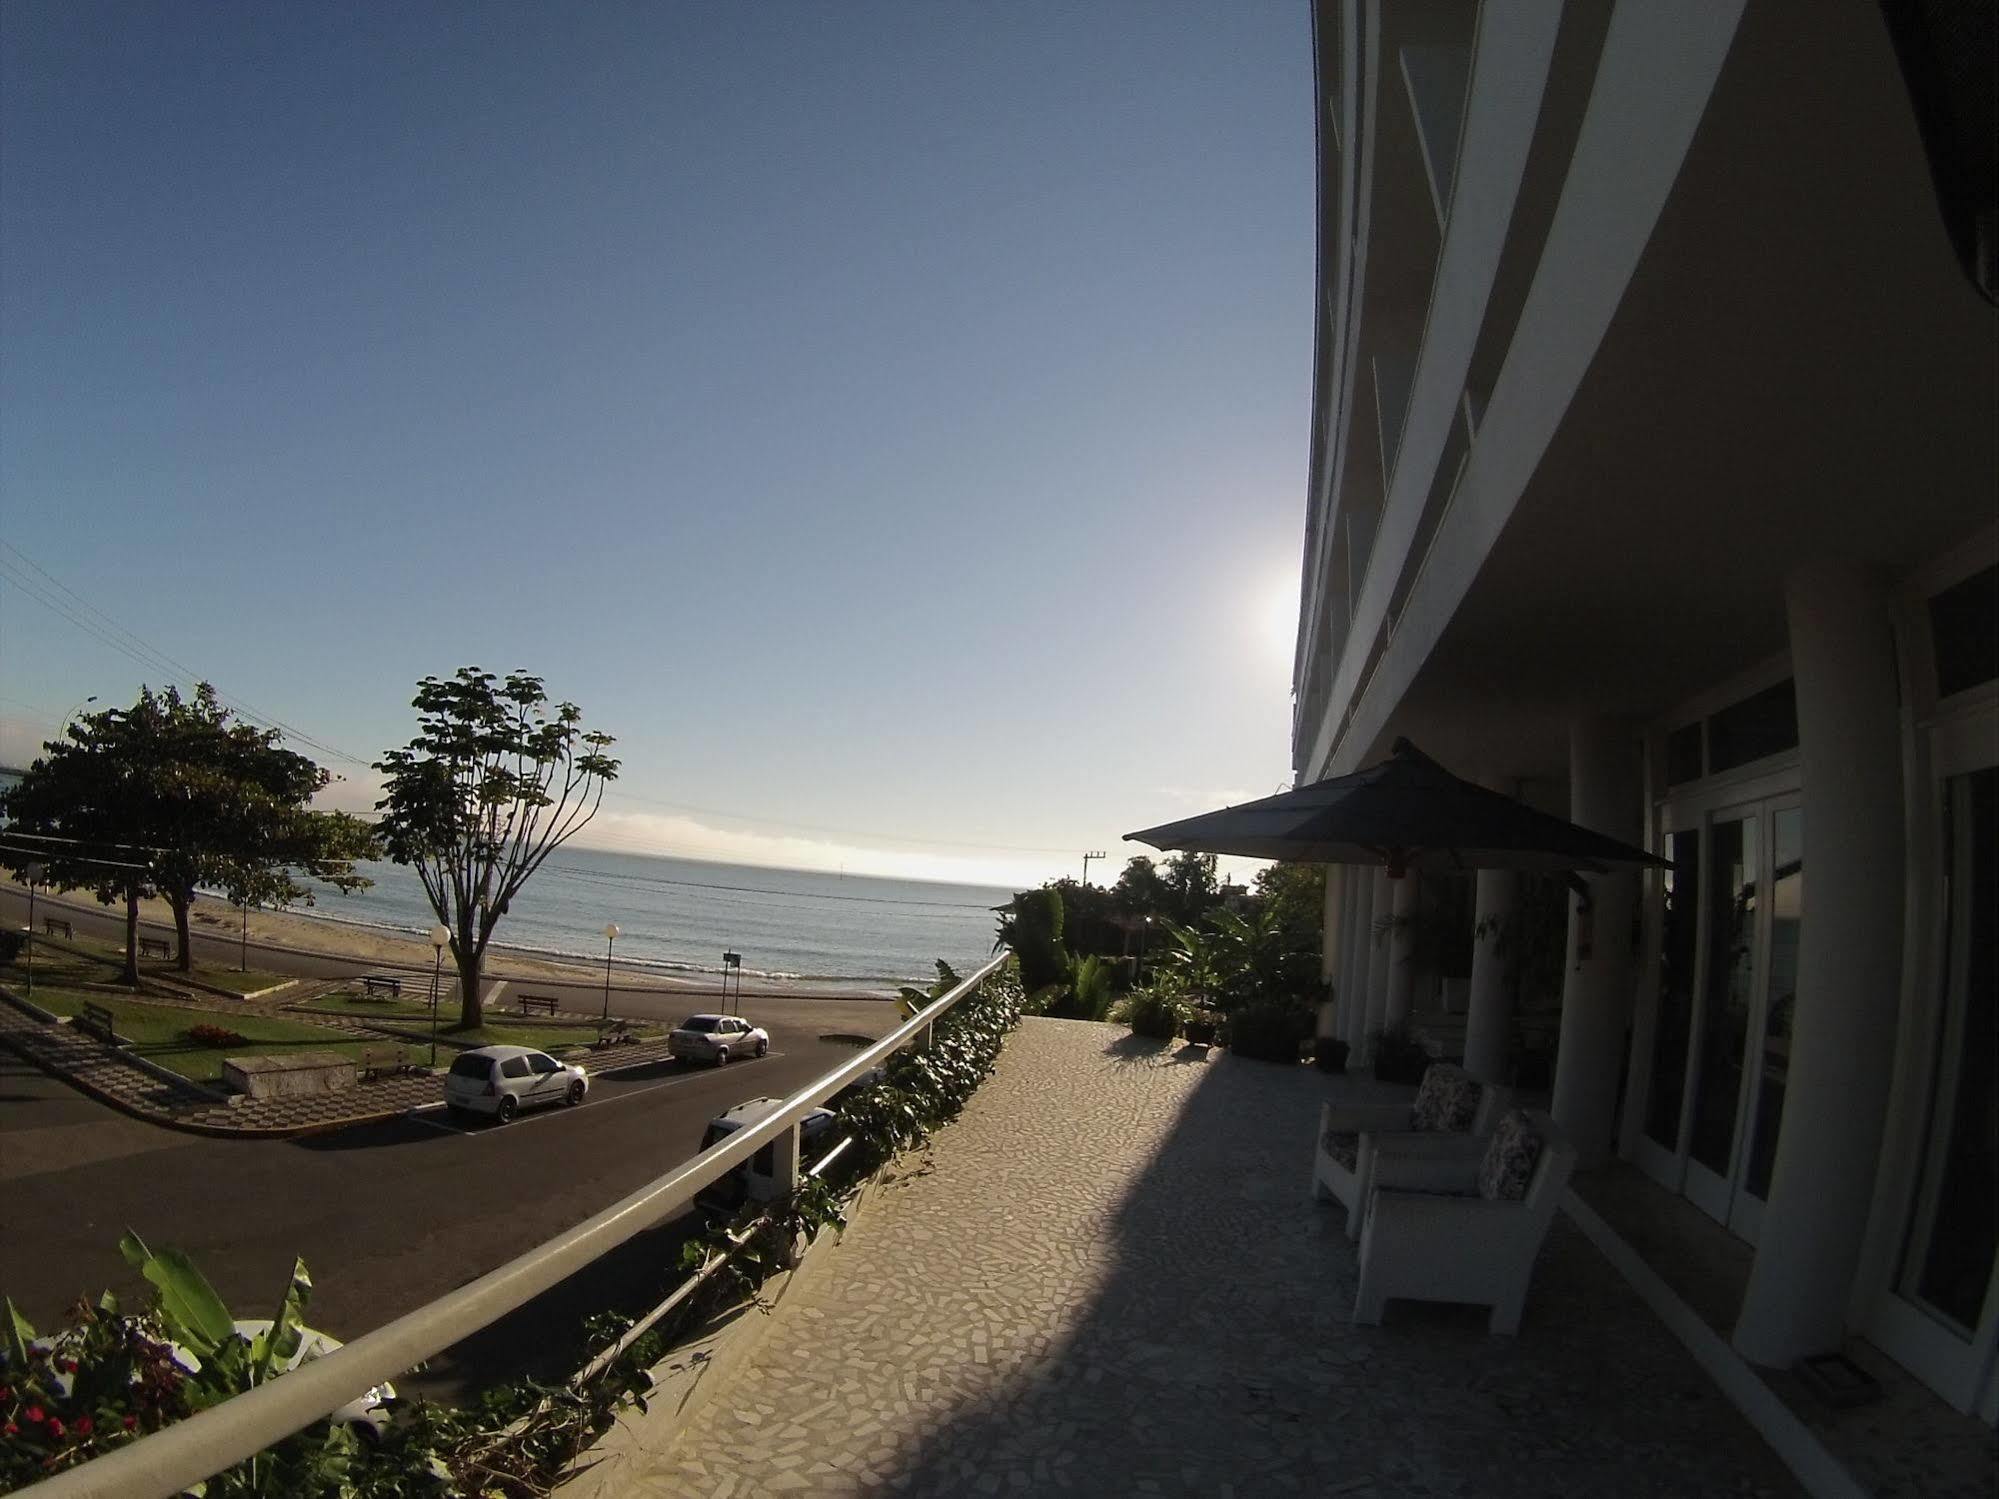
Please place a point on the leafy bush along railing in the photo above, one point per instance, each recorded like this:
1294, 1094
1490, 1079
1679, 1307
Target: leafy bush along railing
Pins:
916, 1092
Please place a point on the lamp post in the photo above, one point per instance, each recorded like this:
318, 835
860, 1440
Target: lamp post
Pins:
439, 935
33, 873
1144, 937
81, 705
610, 936
732, 960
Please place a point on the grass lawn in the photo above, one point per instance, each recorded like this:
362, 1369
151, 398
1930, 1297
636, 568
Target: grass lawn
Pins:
540, 1037
346, 1002
159, 1032
235, 980
106, 962
57, 968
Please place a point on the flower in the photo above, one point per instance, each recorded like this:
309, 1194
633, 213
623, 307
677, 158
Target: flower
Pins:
83, 1426
130, 1422
55, 1427
10, 1430
67, 1365
6, 1392
33, 1413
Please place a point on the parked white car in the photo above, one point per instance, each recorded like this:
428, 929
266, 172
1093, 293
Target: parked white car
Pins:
716, 1038
503, 1080
756, 1176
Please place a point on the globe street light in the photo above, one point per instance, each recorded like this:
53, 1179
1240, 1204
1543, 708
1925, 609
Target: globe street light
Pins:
33, 872
610, 936
1144, 933
439, 936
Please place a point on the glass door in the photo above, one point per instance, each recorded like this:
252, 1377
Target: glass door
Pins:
1727, 1001
1941, 1316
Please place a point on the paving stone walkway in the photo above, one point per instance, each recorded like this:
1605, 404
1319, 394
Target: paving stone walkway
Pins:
1109, 1278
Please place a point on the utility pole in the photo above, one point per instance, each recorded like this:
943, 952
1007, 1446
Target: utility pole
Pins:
1095, 853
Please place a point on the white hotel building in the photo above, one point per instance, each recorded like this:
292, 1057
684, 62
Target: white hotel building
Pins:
1654, 475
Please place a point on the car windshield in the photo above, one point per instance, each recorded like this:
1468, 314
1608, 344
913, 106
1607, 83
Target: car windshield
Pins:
700, 1023
471, 1067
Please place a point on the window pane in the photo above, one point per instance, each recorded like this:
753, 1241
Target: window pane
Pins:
1964, 629
1731, 962
514, 1067
1683, 755
1948, 1265
1676, 991
1765, 724
1787, 911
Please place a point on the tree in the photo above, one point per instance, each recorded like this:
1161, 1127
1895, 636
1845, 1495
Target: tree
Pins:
494, 782
1191, 885
1295, 896
172, 794
1140, 890
1031, 924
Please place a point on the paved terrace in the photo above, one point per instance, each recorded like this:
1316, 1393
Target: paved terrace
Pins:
1110, 1279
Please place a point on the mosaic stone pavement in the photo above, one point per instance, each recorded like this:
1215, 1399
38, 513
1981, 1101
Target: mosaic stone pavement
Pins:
1109, 1279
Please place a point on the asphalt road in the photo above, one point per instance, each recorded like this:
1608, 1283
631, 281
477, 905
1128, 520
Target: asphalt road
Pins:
386, 1216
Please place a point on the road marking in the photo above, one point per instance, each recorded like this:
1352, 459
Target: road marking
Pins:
453, 1127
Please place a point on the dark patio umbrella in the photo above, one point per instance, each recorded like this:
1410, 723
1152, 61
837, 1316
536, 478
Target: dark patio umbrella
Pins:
1408, 812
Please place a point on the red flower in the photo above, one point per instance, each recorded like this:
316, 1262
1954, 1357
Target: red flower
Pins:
130, 1422
55, 1427
68, 1365
33, 1413
83, 1425
6, 1392
10, 1429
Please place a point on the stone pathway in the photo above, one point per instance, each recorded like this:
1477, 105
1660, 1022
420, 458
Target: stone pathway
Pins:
1109, 1278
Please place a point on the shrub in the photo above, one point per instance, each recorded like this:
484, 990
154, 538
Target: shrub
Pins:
1268, 1032
10, 945
214, 1035
1153, 1013
1399, 1057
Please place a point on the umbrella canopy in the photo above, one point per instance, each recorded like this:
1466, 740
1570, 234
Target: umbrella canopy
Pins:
1408, 812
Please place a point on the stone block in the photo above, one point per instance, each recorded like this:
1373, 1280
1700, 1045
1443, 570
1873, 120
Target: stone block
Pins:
299, 1075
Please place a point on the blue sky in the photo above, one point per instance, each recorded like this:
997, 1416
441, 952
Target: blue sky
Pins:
889, 421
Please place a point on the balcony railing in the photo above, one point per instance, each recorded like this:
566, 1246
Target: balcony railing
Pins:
173, 1460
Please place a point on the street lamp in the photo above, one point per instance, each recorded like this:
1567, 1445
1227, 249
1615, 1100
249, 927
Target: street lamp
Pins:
85, 703
610, 936
1144, 935
439, 935
33, 872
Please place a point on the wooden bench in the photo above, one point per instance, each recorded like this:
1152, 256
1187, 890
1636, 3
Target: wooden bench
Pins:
542, 1002
618, 1033
97, 1019
376, 1060
155, 947
374, 985
56, 926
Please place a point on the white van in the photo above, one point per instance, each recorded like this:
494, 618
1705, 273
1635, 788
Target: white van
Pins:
755, 1179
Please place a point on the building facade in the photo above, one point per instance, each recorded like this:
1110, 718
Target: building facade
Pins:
1653, 477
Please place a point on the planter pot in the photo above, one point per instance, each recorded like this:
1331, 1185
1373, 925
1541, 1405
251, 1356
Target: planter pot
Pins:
1201, 1032
1330, 1055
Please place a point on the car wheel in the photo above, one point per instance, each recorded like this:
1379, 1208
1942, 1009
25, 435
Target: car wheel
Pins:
721, 1056
575, 1095
763, 1048
506, 1109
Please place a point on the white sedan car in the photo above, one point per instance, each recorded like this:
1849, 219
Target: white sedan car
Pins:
503, 1080
716, 1038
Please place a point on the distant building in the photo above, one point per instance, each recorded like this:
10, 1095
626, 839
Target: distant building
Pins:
1654, 472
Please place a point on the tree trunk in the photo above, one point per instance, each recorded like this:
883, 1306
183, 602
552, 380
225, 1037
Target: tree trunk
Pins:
180, 901
471, 1004
131, 974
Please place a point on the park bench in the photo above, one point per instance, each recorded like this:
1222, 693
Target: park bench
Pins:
98, 1019
618, 1033
376, 1060
542, 1002
55, 925
374, 985
155, 947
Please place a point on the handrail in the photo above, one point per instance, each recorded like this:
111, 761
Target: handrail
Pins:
172, 1460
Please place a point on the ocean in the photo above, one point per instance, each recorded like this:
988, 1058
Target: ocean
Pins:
681, 914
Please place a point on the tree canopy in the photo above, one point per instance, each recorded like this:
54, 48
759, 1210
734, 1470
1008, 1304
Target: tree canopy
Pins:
494, 782
175, 793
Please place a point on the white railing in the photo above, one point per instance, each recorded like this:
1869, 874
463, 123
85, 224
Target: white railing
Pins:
171, 1461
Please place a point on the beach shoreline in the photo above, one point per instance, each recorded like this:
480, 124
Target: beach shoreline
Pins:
324, 936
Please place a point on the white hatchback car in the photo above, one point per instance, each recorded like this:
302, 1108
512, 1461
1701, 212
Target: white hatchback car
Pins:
503, 1080
716, 1038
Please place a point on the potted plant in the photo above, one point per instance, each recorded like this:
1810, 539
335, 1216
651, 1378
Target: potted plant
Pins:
1329, 1054
1399, 1057
1203, 1025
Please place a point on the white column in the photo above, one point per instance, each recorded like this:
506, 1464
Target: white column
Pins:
1849, 966
1377, 968
1360, 918
1606, 794
1335, 937
1401, 950
1489, 1021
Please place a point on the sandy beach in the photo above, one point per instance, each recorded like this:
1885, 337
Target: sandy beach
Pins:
327, 937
